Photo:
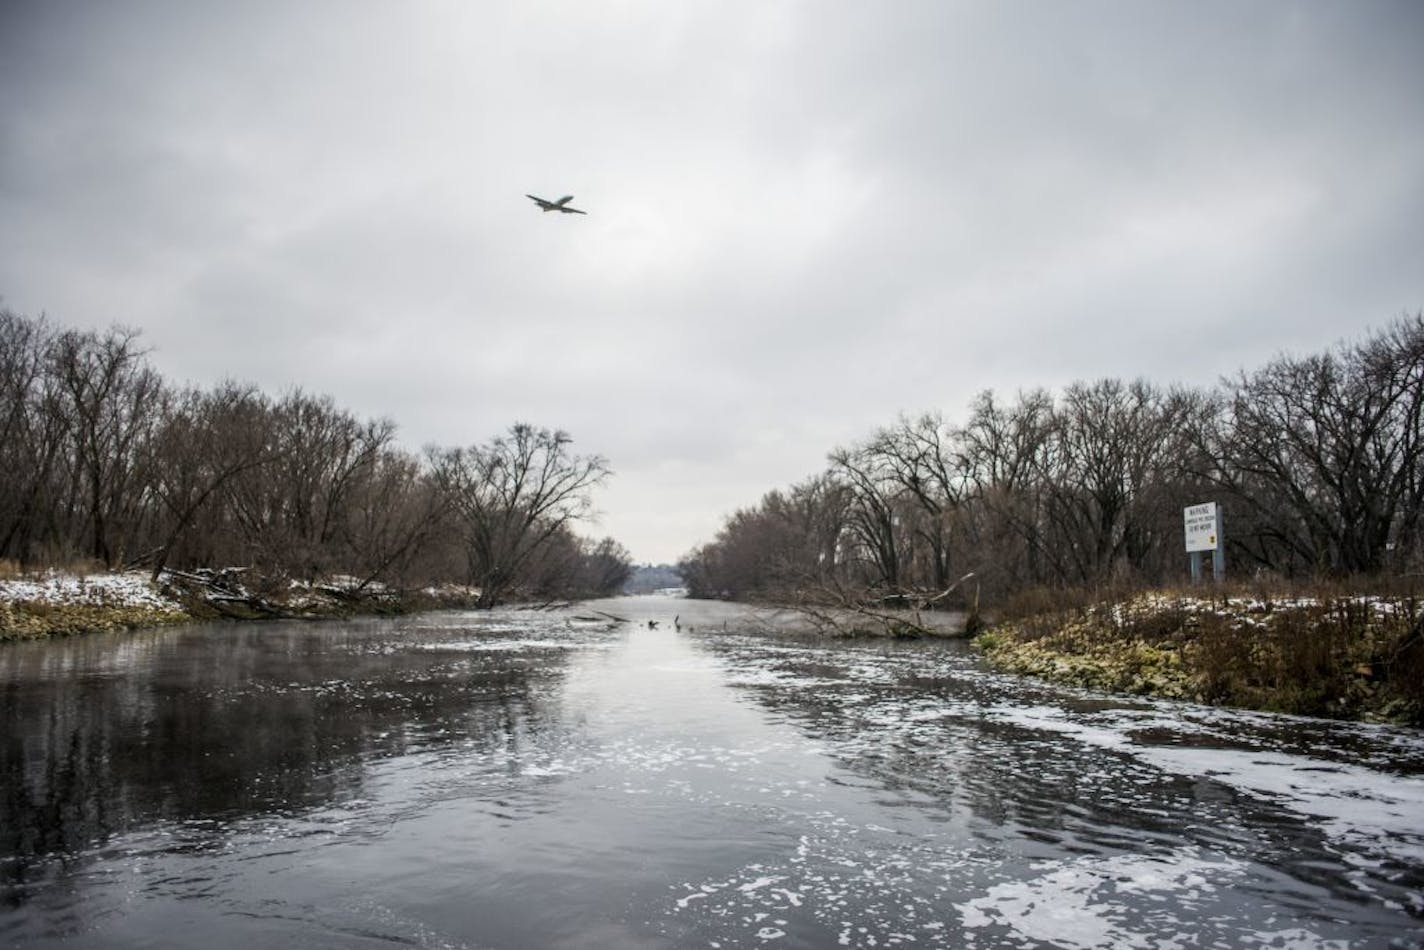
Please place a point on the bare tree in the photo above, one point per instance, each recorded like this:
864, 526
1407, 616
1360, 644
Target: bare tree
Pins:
1007, 455
205, 439
1325, 453
923, 458
33, 432
1319, 462
605, 567
789, 541
101, 459
294, 513
512, 495
111, 395
874, 519
569, 566
1117, 442
395, 512
815, 513
1393, 362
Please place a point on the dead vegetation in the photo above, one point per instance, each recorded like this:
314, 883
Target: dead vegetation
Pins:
1320, 651
833, 611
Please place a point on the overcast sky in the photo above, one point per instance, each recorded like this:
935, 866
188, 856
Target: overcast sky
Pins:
804, 218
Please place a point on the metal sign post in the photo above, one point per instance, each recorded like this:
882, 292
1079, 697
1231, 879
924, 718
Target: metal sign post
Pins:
1202, 525
1218, 554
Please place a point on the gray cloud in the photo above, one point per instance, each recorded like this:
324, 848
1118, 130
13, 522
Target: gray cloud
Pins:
804, 218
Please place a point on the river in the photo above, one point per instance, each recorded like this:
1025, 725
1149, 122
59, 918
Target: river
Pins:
523, 779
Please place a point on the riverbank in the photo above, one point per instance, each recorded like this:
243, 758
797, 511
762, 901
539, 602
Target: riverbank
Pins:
65, 604
1348, 657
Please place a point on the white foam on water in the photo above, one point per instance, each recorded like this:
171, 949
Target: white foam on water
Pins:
1378, 812
1363, 807
510, 645
1052, 719
1365, 811
1078, 903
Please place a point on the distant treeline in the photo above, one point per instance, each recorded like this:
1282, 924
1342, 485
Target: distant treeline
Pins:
1318, 462
103, 461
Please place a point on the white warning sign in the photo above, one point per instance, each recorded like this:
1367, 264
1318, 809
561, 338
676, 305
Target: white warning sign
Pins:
1200, 521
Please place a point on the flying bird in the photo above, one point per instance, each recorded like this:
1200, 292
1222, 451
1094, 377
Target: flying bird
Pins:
561, 205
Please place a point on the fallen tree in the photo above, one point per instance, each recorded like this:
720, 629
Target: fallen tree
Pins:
904, 614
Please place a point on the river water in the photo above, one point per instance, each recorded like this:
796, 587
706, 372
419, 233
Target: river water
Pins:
525, 779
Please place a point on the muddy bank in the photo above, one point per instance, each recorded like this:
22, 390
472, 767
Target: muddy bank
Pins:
1341, 658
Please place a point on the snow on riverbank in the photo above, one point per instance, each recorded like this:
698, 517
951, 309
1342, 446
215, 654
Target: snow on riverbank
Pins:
129, 589
60, 604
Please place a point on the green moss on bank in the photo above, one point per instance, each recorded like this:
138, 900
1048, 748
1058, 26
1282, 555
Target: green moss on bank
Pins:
1347, 657
28, 620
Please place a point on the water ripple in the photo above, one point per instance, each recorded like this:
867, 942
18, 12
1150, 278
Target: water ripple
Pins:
530, 779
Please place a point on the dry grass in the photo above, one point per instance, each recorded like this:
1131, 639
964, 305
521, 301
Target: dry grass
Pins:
1326, 649
32, 621
11, 570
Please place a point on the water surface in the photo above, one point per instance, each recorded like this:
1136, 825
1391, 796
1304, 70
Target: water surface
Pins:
558, 779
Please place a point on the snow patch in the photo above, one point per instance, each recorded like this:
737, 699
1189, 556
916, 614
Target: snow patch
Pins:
129, 589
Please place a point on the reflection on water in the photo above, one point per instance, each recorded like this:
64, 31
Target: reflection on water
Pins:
525, 779
106, 734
